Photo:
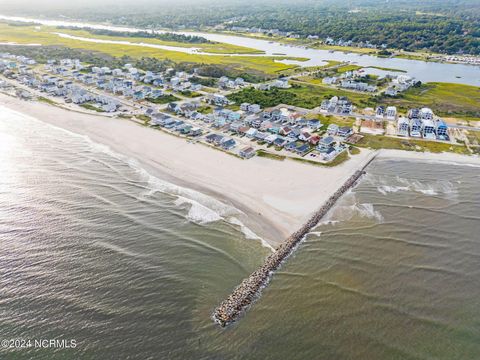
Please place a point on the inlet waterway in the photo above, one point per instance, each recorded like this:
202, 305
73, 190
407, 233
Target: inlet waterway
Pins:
421, 70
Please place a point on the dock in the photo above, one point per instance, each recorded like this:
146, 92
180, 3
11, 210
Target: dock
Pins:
249, 289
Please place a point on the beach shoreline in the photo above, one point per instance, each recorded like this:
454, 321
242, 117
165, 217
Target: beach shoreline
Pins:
274, 198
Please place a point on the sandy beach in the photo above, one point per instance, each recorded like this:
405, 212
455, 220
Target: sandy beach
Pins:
274, 197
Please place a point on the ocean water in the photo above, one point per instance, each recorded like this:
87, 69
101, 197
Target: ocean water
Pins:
95, 249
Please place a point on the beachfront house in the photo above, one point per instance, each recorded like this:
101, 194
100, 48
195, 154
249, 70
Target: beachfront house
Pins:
228, 144
325, 144
280, 141
302, 149
429, 129
169, 123
247, 152
391, 113
290, 146
196, 131
329, 154
416, 128
442, 130
380, 112
403, 126
158, 119
414, 114
426, 114
213, 138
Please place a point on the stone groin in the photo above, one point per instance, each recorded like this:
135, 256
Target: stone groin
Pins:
244, 294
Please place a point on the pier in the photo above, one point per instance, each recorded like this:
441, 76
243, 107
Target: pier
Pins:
248, 290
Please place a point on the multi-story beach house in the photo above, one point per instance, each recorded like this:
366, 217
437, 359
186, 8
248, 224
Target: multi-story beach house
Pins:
247, 152
379, 112
416, 127
391, 113
442, 130
426, 114
429, 129
413, 114
403, 127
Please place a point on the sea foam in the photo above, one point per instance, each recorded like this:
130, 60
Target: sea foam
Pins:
203, 209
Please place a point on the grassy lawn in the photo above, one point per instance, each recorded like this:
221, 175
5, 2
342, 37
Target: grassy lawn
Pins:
191, 94
300, 94
165, 99
345, 68
449, 100
311, 95
44, 35
46, 100
340, 121
145, 118
386, 69
385, 142
265, 154
205, 109
445, 99
329, 64
91, 107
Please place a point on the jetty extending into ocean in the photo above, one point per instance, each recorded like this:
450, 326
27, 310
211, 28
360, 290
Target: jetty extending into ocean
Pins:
248, 290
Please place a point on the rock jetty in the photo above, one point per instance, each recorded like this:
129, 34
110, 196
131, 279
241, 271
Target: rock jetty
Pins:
244, 294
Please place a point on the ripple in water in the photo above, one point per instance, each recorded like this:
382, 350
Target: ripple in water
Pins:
96, 250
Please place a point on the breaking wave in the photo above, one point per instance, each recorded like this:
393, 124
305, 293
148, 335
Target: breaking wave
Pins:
350, 207
392, 184
203, 209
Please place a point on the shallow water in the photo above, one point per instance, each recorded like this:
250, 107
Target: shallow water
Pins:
93, 248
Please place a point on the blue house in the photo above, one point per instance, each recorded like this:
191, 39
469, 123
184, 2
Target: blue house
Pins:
138, 95
325, 144
228, 144
302, 149
290, 146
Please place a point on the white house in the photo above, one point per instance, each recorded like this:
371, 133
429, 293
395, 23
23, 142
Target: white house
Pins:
403, 126
391, 113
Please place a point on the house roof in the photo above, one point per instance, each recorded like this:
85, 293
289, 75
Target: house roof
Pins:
327, 140
344, 129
